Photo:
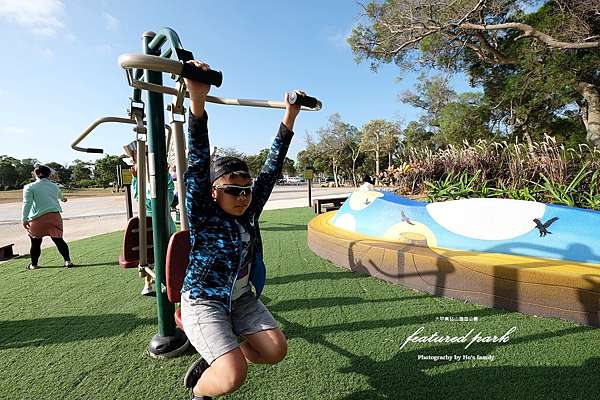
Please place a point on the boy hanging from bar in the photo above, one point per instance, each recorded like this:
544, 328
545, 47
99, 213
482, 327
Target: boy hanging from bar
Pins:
226, 273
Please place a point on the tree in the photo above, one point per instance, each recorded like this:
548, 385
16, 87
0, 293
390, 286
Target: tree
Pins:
256, 162
105, 169
8, 175
416, 135
431, 95
464, 119
534, 64
391, 141
61, 173
354, 149
80, 171
313, 156
376, 136
333, 141
24, 169
450, 117
288, 167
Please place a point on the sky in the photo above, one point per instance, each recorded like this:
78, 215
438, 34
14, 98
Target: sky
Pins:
59, 71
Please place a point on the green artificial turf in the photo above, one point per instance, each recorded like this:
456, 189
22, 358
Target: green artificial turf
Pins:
82, 333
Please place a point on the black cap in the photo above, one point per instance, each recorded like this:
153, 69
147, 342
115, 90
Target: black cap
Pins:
220, 166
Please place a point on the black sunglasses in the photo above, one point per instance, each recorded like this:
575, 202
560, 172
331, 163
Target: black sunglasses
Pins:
234, 190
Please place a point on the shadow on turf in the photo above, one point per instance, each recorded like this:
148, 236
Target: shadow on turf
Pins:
325, 302
28, 258
282, 227
47, 331
313, 276
404, 376
108, 264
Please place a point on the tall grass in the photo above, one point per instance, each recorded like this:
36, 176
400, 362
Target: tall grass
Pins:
539, 171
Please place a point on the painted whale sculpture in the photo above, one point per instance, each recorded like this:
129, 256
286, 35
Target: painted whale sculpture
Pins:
479, 225
532, 257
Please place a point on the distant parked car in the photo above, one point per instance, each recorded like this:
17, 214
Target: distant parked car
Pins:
328, 182
294, 180
290, 180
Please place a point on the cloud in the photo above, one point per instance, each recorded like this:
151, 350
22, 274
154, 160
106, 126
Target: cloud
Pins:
42, 17
111, 23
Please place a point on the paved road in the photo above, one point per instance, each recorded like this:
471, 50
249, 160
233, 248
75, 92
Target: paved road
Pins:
91, 216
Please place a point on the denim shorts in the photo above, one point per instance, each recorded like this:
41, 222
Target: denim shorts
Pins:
213, 332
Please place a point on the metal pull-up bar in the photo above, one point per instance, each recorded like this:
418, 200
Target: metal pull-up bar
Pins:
95, 124
132, 62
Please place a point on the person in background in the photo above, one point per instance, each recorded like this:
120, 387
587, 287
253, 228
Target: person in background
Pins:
175, 201
148, 289
41, 215
368, 184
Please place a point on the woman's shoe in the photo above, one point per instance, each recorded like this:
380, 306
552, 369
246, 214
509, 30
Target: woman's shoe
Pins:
148, 290
31, 267
69, 264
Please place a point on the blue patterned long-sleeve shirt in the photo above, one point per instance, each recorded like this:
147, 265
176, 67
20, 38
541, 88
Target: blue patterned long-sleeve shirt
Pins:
215, 242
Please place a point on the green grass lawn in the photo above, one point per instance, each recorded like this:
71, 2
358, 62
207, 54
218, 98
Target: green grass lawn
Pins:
82, 333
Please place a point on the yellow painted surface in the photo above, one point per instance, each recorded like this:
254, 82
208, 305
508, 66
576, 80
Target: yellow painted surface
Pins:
512, 267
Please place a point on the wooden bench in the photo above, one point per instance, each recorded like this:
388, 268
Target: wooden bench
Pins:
6, 252
333, 203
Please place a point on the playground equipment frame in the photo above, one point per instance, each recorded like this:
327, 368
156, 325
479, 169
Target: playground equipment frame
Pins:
144, 72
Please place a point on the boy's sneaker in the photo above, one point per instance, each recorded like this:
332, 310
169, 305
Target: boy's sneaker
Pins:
69, 264
194, 372
31, 267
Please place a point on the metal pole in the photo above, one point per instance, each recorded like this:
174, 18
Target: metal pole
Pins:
128, 205
169, 341
180, 157
141, 178
181, 166
213, 99
309, 193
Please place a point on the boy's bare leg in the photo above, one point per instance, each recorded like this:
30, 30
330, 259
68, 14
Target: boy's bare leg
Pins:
225, 375
266, 347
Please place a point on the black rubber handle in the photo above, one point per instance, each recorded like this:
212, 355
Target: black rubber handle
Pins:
210, 77
94, 151
306, 101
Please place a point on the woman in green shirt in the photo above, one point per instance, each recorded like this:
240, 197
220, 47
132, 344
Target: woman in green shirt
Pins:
41, 215
148, 289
